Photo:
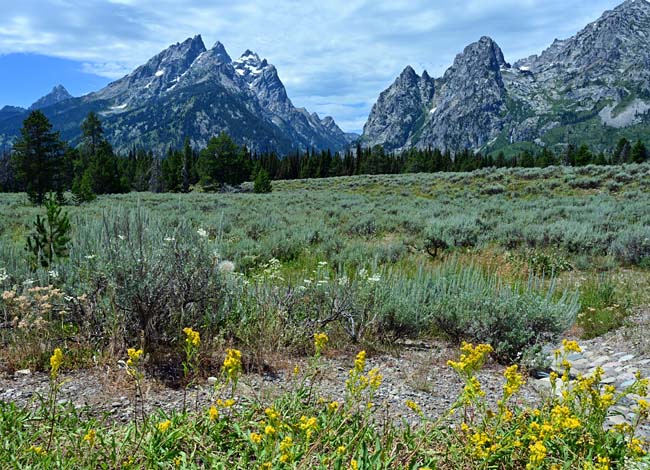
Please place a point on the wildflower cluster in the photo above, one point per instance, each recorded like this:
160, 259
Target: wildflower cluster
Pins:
232, 367
55, 362
320, 341
358, 382
570, 423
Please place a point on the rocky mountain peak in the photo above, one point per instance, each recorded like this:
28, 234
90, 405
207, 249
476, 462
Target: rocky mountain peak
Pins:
485, 54
58, 94
218, 51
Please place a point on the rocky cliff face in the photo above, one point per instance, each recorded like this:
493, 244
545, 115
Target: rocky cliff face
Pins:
598, 79
188, 90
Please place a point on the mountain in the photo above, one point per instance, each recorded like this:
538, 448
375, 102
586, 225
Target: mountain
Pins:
591, 88
9, 112
301, 126
188, 90
58, 94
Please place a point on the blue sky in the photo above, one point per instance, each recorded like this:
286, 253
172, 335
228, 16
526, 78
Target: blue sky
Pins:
334, 56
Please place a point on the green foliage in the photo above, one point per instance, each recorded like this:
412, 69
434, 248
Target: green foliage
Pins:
223, 161
82, 188
603, 308
51, 237
262, 182
469, 304
38, 158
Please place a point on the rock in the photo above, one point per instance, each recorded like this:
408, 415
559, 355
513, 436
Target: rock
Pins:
23, 372
626, 358
212, 380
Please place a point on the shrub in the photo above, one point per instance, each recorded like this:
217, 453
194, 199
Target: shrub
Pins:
468, 304
158, 284
632, 246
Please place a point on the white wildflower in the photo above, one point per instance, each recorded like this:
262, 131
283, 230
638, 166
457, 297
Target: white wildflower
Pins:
226, 267
90, 256
53, 273
374, 278
322, 263
202, 232
169, 239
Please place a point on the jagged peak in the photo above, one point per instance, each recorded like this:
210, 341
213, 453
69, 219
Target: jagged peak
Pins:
219, 50
58, 94
485, 48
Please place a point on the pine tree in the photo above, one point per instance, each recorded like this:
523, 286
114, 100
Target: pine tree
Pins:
38, 157
639, 153
92, 132
262, 182
155, 177
50, 238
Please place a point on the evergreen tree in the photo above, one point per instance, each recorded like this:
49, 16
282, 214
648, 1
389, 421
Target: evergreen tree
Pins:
38, 158
639, 153
155, 177
262, 182
223, 161
92, 133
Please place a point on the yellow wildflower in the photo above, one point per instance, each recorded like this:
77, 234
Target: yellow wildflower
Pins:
213, 413
320, 340
266, 466
193, 337
571, 346
232, 364
269, 430
286, 444
414, 406
537, 453
636, 446
272, 414
308, 425
38, 450
164, 425
333, 406
340, 450
90, 437
354, 465
514, 381
360, 362
471, 359
256, 438
374, 378
284, 458
134, 356
55, 361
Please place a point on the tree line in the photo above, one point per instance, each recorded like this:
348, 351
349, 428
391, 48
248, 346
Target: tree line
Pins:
40, 163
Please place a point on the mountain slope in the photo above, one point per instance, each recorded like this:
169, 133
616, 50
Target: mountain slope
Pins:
190, 91
588, 88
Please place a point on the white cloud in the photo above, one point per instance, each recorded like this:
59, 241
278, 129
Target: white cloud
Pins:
328, 53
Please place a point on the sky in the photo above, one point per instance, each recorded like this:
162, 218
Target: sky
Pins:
334, 56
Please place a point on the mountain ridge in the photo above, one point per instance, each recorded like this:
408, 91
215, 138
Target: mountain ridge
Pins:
600, 77
187, 90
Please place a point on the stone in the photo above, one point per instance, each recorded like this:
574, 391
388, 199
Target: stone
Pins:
23, 372
626, 358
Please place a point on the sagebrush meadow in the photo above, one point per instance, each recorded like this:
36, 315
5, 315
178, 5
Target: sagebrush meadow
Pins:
509, 259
